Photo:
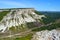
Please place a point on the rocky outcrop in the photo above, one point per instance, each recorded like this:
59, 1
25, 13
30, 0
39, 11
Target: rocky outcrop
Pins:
47, 35
17, 17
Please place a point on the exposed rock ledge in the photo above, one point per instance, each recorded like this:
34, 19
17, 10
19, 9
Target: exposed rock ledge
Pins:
47, 35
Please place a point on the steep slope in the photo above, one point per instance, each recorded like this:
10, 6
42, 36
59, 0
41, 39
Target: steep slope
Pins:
17, 17
47, 35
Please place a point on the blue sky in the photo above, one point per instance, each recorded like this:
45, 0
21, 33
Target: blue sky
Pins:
41, 5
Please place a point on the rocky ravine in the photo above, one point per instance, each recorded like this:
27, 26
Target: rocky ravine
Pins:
47, 35
17, 17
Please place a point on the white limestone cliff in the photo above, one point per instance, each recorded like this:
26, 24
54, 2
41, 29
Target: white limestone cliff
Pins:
47, 35
18, 17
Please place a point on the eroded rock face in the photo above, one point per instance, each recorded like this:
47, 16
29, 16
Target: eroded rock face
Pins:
47, 35
17, 17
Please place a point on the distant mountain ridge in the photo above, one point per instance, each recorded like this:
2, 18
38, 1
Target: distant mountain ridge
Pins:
53, 14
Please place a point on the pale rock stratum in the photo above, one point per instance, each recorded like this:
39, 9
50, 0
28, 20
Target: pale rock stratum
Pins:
17, 17
47, 35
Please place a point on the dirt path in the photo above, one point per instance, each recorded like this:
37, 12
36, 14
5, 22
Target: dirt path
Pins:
24, 33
